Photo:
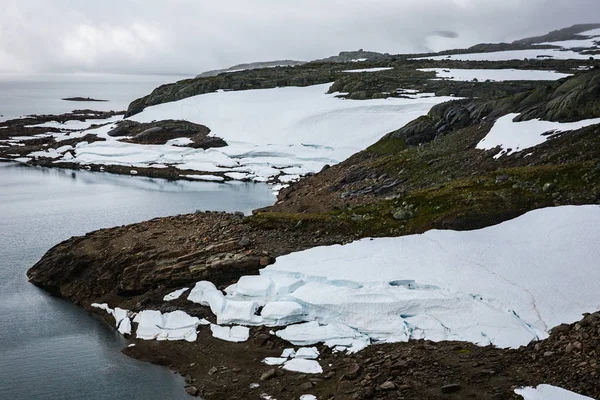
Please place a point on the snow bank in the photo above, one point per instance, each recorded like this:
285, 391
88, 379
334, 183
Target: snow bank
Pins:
505, 285
547, 392
516, 136
287, 132
497, 75
557, 54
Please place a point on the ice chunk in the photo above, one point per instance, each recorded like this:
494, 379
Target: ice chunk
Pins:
311, 333
207, 294
309, 353
230, 334
282, 313
274, 360
148, 324
254, 286
242, 312
284, 284
176, 325
125, 326
304, 366
119, 315
308, 397
174, 295
288, 353
548, 392
103, 306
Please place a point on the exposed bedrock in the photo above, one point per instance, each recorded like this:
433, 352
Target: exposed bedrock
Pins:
160, 132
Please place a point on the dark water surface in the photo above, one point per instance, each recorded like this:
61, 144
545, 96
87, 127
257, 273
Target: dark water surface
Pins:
50, 349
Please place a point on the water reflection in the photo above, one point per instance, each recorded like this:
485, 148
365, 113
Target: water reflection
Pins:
48, 347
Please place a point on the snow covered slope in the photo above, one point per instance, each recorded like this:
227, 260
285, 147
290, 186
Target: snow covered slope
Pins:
568, 49
290, 131
504, 285
497, 75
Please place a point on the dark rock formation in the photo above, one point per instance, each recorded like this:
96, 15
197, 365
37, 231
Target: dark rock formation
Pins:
161, 132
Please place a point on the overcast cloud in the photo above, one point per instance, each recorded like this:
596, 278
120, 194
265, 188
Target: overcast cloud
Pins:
191, 36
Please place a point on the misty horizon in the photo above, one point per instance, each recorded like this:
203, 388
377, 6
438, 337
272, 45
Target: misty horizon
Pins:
184, 37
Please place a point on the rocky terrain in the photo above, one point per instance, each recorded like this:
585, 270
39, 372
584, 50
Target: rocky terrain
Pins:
429, 174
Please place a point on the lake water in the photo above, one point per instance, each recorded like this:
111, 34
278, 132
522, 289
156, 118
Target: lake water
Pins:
50, 349
22, 94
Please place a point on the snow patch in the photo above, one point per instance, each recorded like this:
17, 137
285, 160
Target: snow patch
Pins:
548, 392
304, 366
377, 69
513, 136
557, 54
497, 75
295, 129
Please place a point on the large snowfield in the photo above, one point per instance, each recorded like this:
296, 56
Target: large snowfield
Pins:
286, 132
568, 50
505, 285
496, 75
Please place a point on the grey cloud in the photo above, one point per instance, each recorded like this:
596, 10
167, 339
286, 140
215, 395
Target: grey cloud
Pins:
187, 36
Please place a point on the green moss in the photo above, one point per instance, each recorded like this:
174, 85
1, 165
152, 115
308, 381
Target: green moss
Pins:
387, 146
474, 202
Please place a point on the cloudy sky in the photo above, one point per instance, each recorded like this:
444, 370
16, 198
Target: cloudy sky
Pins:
190, 36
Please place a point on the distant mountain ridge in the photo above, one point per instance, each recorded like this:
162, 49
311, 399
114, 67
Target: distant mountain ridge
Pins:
570, 33
250, 66
278, 73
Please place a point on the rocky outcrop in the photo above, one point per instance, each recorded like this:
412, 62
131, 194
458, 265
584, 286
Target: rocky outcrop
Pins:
160, 132
574, 99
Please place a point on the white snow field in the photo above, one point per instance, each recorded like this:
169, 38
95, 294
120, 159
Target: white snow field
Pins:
376, 69
589, 40
497, 75
548, 392
505, 285
287, 132
513, 136
557, 54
